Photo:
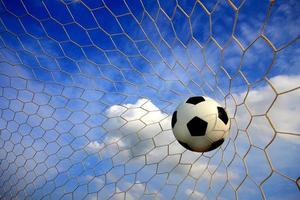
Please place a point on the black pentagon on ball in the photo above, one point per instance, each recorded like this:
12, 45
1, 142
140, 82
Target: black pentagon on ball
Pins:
174, 119
222, 115
216, 144
185, 145
197, 126
195, 100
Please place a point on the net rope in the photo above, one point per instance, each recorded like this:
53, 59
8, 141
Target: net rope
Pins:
88, 89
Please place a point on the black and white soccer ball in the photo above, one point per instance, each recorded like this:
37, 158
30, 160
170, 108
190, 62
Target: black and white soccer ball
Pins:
200, 124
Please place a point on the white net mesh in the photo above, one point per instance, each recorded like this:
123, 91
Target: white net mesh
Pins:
88, 88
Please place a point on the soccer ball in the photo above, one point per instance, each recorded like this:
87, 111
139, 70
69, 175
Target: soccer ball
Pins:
200, 124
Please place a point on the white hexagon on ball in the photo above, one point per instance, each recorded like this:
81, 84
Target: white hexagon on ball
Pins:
200, 124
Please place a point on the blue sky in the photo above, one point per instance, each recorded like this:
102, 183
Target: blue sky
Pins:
69, 68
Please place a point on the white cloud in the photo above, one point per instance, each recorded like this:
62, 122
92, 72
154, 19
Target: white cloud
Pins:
283, 113
98, 180
143, 109
115, 110
130, 125
276, 114
283, 83
138, 139
195, 194
95, 145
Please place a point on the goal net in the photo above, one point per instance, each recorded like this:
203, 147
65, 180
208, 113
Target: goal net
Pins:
88, 89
